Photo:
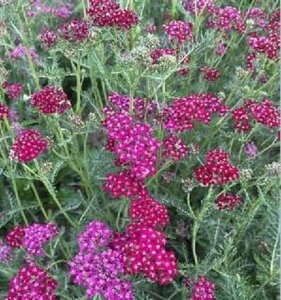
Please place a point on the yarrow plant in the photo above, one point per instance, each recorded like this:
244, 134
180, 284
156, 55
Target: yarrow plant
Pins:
139, 150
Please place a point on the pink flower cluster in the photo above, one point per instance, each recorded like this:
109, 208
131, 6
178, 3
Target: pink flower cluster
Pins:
142, 246
134, 144
28, 145
210, 74
32, 238
228, 201
13, 90
174, 148
123, 184
37, 7
32, 282
182, 113
20, 51
144, 252
258, 16
200, 6
48, 37
141, 107
97, 267
179, 31
108, 13
203, 289
148, 212
217, 169
160, 52
229, 18
269, 42
74, 31
15, 236
5, 253
50, 100
263, 112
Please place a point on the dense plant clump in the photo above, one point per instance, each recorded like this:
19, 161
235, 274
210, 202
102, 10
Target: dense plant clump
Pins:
139, 150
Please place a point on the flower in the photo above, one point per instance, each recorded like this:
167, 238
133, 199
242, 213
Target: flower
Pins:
251, 149
108, 13
182, 113
160, 52
50, 100
228, 201
217, 169
5, 253
174, 148
148, 212
134, 143
179, 31
4, 112
143, 250
74, 31
97, 267
203, 289
210, 74
13, 90
14, 238
37, 235
28, 145
200, 6
263, 112
48, 37
123, 184
32, 282
96, 236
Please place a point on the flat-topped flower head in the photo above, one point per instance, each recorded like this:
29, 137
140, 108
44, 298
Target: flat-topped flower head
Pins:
203, 289
32, 282
50, 100
28, 146
229, 201
107, 13
217, 169
14, 237
37, 235
13, 90
179, 31
74, 31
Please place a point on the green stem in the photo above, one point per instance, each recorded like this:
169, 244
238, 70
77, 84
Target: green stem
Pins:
39, 201
18, 199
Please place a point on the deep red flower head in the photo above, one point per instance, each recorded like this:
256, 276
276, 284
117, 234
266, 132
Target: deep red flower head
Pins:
148, 212
123, 184
74, 31
210, 74
28, 145
48, 37
50, 100
108, 13
15, 237
217, 169
174, 148
144, 252
228, 201
13, 90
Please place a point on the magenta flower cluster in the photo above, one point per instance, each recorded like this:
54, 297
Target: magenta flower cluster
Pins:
32, 282
32, 238
99, 268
